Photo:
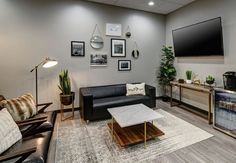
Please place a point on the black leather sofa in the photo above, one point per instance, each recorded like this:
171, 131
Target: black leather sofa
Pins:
94, 101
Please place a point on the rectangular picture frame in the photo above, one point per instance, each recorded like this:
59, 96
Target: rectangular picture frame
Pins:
98, 59
124, 65
77, 48
118, 47
113, 29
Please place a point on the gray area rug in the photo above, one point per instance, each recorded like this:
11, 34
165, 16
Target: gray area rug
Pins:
93, 144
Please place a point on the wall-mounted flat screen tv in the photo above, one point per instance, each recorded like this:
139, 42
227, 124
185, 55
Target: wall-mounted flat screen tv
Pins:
201, 39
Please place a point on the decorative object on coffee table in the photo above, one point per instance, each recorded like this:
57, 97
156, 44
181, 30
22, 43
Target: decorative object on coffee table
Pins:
77, 48
189, 76
118, 47
167, 70
46, 63
66, 97
133, 124
124, 65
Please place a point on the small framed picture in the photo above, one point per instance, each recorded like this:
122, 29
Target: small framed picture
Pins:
113, 29
98, 60
124, 65
118, 47
77, 48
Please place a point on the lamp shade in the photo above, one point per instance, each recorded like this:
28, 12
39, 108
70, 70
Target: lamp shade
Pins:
49, 63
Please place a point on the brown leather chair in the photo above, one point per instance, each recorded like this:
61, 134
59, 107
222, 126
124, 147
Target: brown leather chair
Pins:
31, 148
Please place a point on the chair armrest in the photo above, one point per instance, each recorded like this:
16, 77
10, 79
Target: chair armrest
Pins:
22, 154
32, 119
31, 122
33, 125
45, 105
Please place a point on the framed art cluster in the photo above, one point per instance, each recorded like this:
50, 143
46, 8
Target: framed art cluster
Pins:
117, 48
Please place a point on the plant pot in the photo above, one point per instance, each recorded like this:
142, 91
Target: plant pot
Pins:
188, 81
210, 82
67, 99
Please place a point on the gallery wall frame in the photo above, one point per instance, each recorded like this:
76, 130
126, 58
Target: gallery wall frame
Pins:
113, 29
124, 65
98, 59
118, 47
77, 48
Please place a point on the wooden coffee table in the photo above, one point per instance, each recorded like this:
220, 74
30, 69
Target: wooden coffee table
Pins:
133, 124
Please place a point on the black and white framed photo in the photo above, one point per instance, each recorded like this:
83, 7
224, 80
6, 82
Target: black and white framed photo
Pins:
124, 65
118, 47
77, 48
98, 60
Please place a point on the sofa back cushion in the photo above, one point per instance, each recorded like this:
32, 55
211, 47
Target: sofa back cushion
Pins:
20, 108
9, 131
108, 91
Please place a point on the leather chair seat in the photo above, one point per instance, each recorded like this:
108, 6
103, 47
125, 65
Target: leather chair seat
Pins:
40, 140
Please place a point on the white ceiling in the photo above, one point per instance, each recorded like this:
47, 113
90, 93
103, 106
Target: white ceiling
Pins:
161, 6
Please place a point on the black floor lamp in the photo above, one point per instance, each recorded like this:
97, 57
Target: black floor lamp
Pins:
46, 63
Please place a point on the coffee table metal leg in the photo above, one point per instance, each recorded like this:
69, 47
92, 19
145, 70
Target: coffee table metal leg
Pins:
145, 134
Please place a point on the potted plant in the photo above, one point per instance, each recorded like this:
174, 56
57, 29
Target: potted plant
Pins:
210, 79
66, 97
189, 77
167, 70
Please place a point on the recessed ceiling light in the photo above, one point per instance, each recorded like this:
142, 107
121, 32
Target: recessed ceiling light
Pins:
151, 3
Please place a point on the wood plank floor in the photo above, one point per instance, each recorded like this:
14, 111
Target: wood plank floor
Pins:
218, 149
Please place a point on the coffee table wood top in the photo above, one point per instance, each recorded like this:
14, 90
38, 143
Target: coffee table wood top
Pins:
131, 115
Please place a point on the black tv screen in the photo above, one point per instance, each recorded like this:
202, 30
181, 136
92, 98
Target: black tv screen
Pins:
201, 39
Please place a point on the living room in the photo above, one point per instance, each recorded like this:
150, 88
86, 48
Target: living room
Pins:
107, 45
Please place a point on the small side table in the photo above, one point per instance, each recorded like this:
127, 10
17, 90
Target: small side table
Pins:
62, 111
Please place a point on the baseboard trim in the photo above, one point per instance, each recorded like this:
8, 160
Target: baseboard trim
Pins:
68, 110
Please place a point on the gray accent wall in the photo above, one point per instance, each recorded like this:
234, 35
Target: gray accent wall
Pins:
198, 11
31, 30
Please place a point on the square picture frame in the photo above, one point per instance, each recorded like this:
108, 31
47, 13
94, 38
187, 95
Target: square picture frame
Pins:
124, 65
98, 59
118, 47
77, 48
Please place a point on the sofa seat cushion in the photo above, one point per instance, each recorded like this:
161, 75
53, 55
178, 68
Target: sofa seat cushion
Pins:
41, 141
46, 126
118, 101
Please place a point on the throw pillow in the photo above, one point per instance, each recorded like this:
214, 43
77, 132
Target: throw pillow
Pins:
20, 108
9, 131
135, 89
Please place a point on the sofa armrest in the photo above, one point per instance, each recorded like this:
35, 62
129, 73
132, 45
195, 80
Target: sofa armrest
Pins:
86, 103
151, 92
22, 154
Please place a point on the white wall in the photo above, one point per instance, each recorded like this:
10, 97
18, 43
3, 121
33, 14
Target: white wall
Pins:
31, 30
196, 12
